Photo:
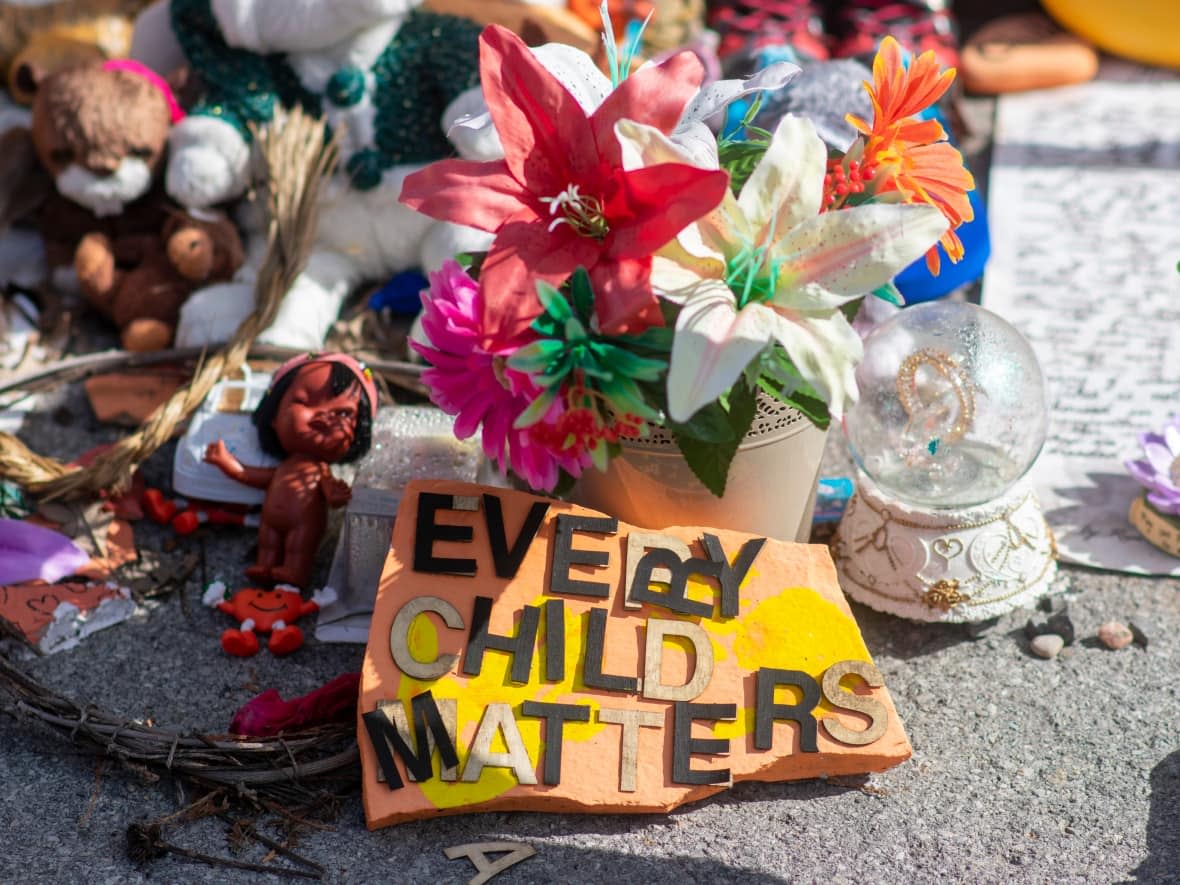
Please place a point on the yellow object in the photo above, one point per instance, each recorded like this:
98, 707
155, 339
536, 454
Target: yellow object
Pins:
1143, 30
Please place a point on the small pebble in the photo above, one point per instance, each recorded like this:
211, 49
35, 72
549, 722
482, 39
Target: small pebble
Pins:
1062, 625
1115, 635
1047, 645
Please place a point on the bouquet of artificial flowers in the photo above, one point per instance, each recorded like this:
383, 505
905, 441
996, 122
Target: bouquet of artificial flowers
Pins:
645, 273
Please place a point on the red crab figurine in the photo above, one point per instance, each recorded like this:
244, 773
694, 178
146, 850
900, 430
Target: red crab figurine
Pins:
263, 610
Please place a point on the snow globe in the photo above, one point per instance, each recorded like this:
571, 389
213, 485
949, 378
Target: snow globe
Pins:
951, 416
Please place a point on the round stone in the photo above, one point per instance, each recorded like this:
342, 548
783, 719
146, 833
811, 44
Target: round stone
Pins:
1047, 645
364, 169
1114, 635
346, 87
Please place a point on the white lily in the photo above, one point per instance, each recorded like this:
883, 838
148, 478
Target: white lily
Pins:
767, 266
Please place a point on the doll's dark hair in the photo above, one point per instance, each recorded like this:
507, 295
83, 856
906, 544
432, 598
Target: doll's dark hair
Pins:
341, 380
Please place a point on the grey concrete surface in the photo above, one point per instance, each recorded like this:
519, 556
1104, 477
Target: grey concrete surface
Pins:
1024, 770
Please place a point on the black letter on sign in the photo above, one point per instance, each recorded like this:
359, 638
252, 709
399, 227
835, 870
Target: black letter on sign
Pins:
427, 531
554, 640
425, 718
592, 673
684, 745
564, 555
508, 561
731, 576
555, 716
766, 711
520, 646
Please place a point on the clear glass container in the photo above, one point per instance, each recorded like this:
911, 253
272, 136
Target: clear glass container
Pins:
952, 409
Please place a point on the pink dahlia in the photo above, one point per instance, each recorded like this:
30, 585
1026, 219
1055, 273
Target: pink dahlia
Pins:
477, 387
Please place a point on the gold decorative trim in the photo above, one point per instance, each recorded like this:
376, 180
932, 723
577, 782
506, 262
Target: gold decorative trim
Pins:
968, 601
942, 363
888, 515
944, 595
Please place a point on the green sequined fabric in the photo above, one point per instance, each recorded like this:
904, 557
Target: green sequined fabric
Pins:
240, 86
428, 64
430, 61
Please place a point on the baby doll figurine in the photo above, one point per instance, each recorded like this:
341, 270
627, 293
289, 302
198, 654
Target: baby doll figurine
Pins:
318, 411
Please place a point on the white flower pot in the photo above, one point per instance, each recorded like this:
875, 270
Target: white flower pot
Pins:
770, 492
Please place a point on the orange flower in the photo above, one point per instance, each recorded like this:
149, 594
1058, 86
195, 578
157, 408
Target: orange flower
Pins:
912, 156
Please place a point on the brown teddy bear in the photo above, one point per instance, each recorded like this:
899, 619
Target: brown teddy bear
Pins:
144, 301
101, 131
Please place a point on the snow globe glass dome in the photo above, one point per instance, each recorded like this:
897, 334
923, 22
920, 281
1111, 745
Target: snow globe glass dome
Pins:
952, 409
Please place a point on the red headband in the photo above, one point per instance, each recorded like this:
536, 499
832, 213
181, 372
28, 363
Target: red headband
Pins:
133, 67
363, 374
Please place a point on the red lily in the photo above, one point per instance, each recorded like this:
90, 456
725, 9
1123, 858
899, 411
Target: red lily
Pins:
560, 198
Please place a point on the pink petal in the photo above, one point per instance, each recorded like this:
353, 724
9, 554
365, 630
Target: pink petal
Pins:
548, 141
1172, 439
655, 203
268, 714
1160, 457
655, 95
623, 298
481, 195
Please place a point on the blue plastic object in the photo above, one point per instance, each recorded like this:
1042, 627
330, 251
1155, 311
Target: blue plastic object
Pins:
831, 498
401, 294
917, 284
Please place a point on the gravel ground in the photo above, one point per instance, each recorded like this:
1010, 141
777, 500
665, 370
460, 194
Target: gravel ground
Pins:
1024, 770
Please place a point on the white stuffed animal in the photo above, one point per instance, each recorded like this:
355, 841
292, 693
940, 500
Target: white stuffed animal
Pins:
382, 74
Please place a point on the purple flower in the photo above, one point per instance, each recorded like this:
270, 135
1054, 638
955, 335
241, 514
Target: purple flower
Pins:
1159, 471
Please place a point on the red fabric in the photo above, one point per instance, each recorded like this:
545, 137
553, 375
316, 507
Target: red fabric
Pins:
268, 714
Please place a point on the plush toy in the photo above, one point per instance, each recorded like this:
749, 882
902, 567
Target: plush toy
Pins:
139, 284
384, 75
318, 411
263, 610
100, 130
38, 37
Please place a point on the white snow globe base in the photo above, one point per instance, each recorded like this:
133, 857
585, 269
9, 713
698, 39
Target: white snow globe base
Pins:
950, 565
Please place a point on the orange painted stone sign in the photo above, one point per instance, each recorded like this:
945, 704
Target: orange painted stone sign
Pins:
535, 655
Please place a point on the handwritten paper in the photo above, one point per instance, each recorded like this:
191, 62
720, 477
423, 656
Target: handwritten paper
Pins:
1085, 223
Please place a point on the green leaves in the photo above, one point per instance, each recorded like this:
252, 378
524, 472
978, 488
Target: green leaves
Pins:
739, 152
777, 376
570, 351
711, 438
626, 376
889, 292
